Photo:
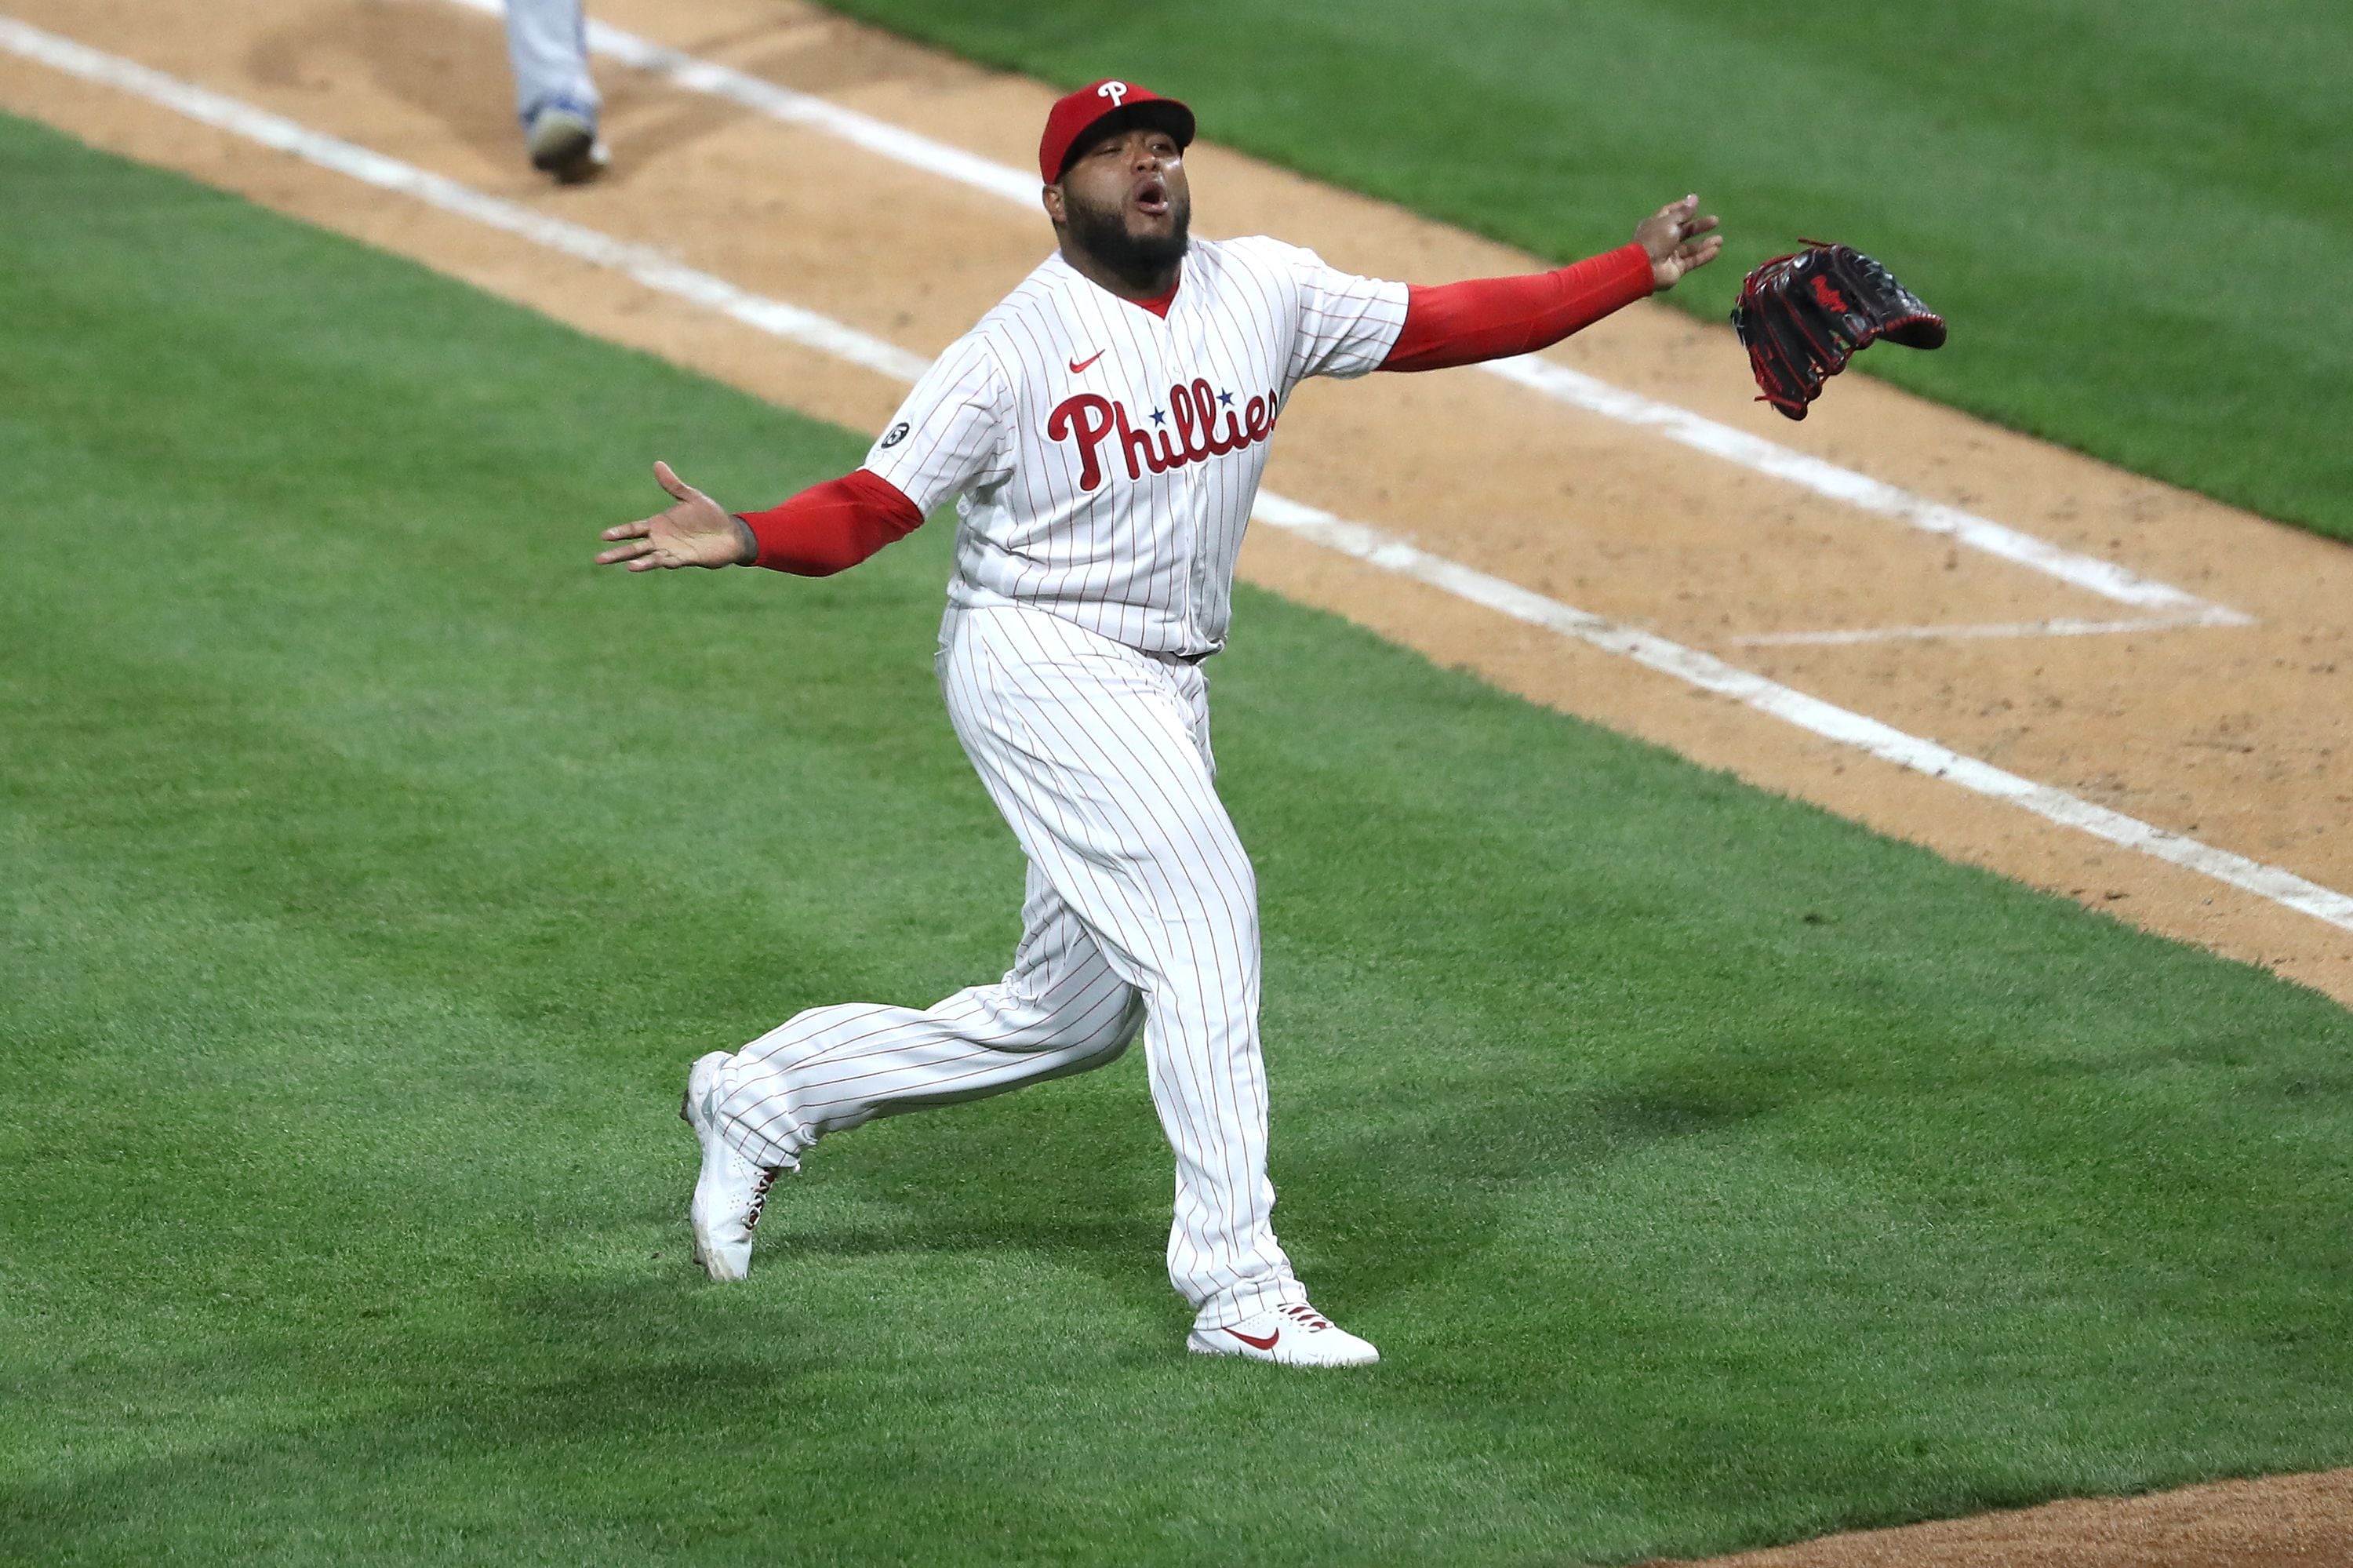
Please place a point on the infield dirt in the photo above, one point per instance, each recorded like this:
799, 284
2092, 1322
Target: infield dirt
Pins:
2232, 735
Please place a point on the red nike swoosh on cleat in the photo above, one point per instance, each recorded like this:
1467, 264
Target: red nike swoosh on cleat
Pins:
1079, 365
1265, 1344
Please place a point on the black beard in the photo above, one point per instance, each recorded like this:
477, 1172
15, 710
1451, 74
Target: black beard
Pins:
1102, 232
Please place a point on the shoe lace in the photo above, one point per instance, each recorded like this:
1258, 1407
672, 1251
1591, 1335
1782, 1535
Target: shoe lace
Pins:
760, 1195
1306, 1316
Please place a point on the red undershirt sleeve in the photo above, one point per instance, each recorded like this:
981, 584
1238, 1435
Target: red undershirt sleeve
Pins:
1494, 318
833, 526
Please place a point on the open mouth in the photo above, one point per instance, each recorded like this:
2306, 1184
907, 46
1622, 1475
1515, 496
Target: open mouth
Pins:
1151, 198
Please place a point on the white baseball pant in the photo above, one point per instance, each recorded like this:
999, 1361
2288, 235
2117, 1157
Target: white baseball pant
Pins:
1141, 908
547, 44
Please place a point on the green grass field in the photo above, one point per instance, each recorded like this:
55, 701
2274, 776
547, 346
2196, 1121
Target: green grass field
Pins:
1710, 1172
2132, 213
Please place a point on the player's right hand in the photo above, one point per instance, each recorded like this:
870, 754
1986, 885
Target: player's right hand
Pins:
1678, 239
697, 532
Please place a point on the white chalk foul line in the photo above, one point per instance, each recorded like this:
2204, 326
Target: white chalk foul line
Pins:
802, 109
1553, 380
2061, 626
641, 262
793, 323
1811, 713
1864, 493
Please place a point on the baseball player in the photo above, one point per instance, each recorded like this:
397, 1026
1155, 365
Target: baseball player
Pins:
1103, 431
547, 43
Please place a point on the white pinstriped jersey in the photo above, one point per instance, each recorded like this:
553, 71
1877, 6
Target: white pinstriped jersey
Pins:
1106, 460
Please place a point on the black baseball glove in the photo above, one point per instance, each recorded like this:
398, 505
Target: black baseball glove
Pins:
1802, 316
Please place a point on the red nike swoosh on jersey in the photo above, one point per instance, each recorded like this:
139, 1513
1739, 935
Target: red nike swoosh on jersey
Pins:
1265, 1344
1079, 365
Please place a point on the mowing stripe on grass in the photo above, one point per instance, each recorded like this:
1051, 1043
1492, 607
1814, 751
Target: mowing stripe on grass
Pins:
1354, 539
1558, 382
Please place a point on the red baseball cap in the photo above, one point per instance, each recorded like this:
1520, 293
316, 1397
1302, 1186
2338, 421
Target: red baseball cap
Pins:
1078, 113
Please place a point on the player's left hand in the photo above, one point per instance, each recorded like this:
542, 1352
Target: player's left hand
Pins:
697, 532
1673, 237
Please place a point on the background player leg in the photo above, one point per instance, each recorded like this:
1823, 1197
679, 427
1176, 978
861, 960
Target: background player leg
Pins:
547, 43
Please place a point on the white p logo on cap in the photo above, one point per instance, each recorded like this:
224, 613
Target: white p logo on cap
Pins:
1114, 90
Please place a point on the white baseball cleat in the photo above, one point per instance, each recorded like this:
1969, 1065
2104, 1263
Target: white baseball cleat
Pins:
731, 1189
1297, 1336
564, 142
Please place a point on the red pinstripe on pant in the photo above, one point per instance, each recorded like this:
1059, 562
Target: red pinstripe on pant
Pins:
1142, 909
